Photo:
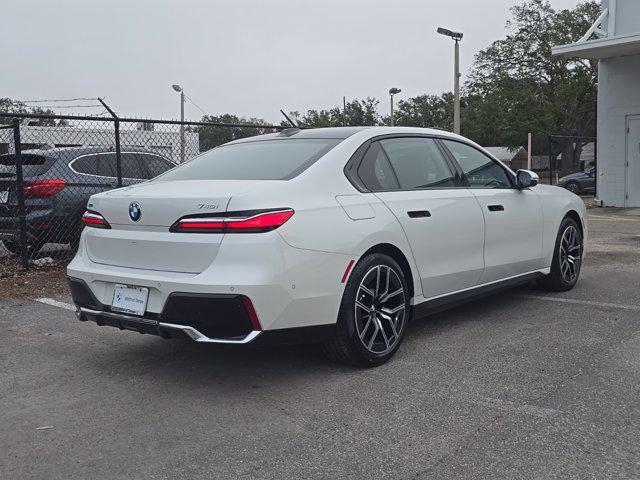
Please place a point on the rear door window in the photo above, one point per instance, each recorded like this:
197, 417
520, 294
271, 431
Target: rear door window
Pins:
375, 171
155, 164
97, 165
418, 163
132, 167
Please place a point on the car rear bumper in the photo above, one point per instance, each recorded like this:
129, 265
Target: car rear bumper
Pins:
215, 325
288, 287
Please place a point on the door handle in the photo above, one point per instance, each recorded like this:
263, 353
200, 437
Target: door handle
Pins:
495, 208
419, 214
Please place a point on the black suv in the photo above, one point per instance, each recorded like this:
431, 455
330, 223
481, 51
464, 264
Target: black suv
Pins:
57, 184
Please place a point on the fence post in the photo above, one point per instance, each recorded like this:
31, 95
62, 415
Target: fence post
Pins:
24, 248
116, 128
550, 160
118, 152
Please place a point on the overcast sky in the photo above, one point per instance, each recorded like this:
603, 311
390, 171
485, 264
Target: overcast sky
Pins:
249, 57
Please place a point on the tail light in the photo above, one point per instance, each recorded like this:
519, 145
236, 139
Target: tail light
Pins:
43, 188
95, 220
234, 222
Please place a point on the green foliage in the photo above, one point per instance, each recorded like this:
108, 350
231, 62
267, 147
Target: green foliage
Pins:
8, 105
430, 111
357, 113
515, 87
211, 137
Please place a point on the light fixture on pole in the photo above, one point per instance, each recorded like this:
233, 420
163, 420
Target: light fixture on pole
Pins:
392, 92
456, 36
179, 89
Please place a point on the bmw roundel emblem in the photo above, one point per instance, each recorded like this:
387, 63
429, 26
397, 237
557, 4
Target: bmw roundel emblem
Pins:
135, 212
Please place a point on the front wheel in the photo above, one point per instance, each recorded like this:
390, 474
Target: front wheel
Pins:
373, 314
567, 258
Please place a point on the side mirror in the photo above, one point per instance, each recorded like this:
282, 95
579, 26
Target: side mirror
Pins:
526, 179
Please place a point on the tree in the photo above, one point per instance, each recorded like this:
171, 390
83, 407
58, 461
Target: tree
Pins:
8, 105
211, 137
431, 111
357, 113
515, 87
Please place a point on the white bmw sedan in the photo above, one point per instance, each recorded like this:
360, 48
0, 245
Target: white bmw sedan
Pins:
338, 236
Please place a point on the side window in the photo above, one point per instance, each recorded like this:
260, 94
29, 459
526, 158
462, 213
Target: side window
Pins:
105, 167
375, 171
479, 170
132, 166
418, 163
87, 165
156, 165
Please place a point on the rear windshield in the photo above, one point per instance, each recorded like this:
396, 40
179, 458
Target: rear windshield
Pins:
32, 165
280, 159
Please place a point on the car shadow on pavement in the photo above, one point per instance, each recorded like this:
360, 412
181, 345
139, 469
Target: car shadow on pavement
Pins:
183, 362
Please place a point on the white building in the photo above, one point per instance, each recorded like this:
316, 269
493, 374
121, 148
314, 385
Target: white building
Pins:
614, 40
165, 143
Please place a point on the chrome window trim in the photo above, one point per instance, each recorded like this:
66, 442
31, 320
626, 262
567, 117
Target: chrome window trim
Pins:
70, 164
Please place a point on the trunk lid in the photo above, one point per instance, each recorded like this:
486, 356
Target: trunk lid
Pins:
147, 243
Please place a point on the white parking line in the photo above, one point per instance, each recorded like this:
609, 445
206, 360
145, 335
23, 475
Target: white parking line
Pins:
580, 302
56, 303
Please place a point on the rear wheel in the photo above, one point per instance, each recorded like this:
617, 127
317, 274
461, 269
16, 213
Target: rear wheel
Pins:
573, 187
14, 247
373, 314
567, 258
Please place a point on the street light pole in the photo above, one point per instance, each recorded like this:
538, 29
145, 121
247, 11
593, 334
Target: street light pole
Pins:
456, 36
456, 88
178, 88
392, 92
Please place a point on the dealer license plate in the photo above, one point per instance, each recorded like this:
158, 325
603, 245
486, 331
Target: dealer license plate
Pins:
130, 299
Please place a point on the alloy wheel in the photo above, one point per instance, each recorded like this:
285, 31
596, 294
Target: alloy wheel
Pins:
380, 309
570, 254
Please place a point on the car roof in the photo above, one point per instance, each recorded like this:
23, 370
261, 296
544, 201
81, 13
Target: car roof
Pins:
342, 133
339, 133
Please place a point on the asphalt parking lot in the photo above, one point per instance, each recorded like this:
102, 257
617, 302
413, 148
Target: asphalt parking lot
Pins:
524, 384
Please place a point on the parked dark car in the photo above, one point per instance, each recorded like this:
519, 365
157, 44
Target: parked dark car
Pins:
57, 184
580, 183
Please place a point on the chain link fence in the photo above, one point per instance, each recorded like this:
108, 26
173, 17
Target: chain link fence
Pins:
51, 165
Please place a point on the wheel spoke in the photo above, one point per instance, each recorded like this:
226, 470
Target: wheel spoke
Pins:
365, 328
391, 311
373, 337
389, 296
384, 336
363, 307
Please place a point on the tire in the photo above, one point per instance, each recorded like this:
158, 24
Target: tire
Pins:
361, 339
567, 258
573, 187
14, 247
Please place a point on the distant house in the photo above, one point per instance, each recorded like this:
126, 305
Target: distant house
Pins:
513, 158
